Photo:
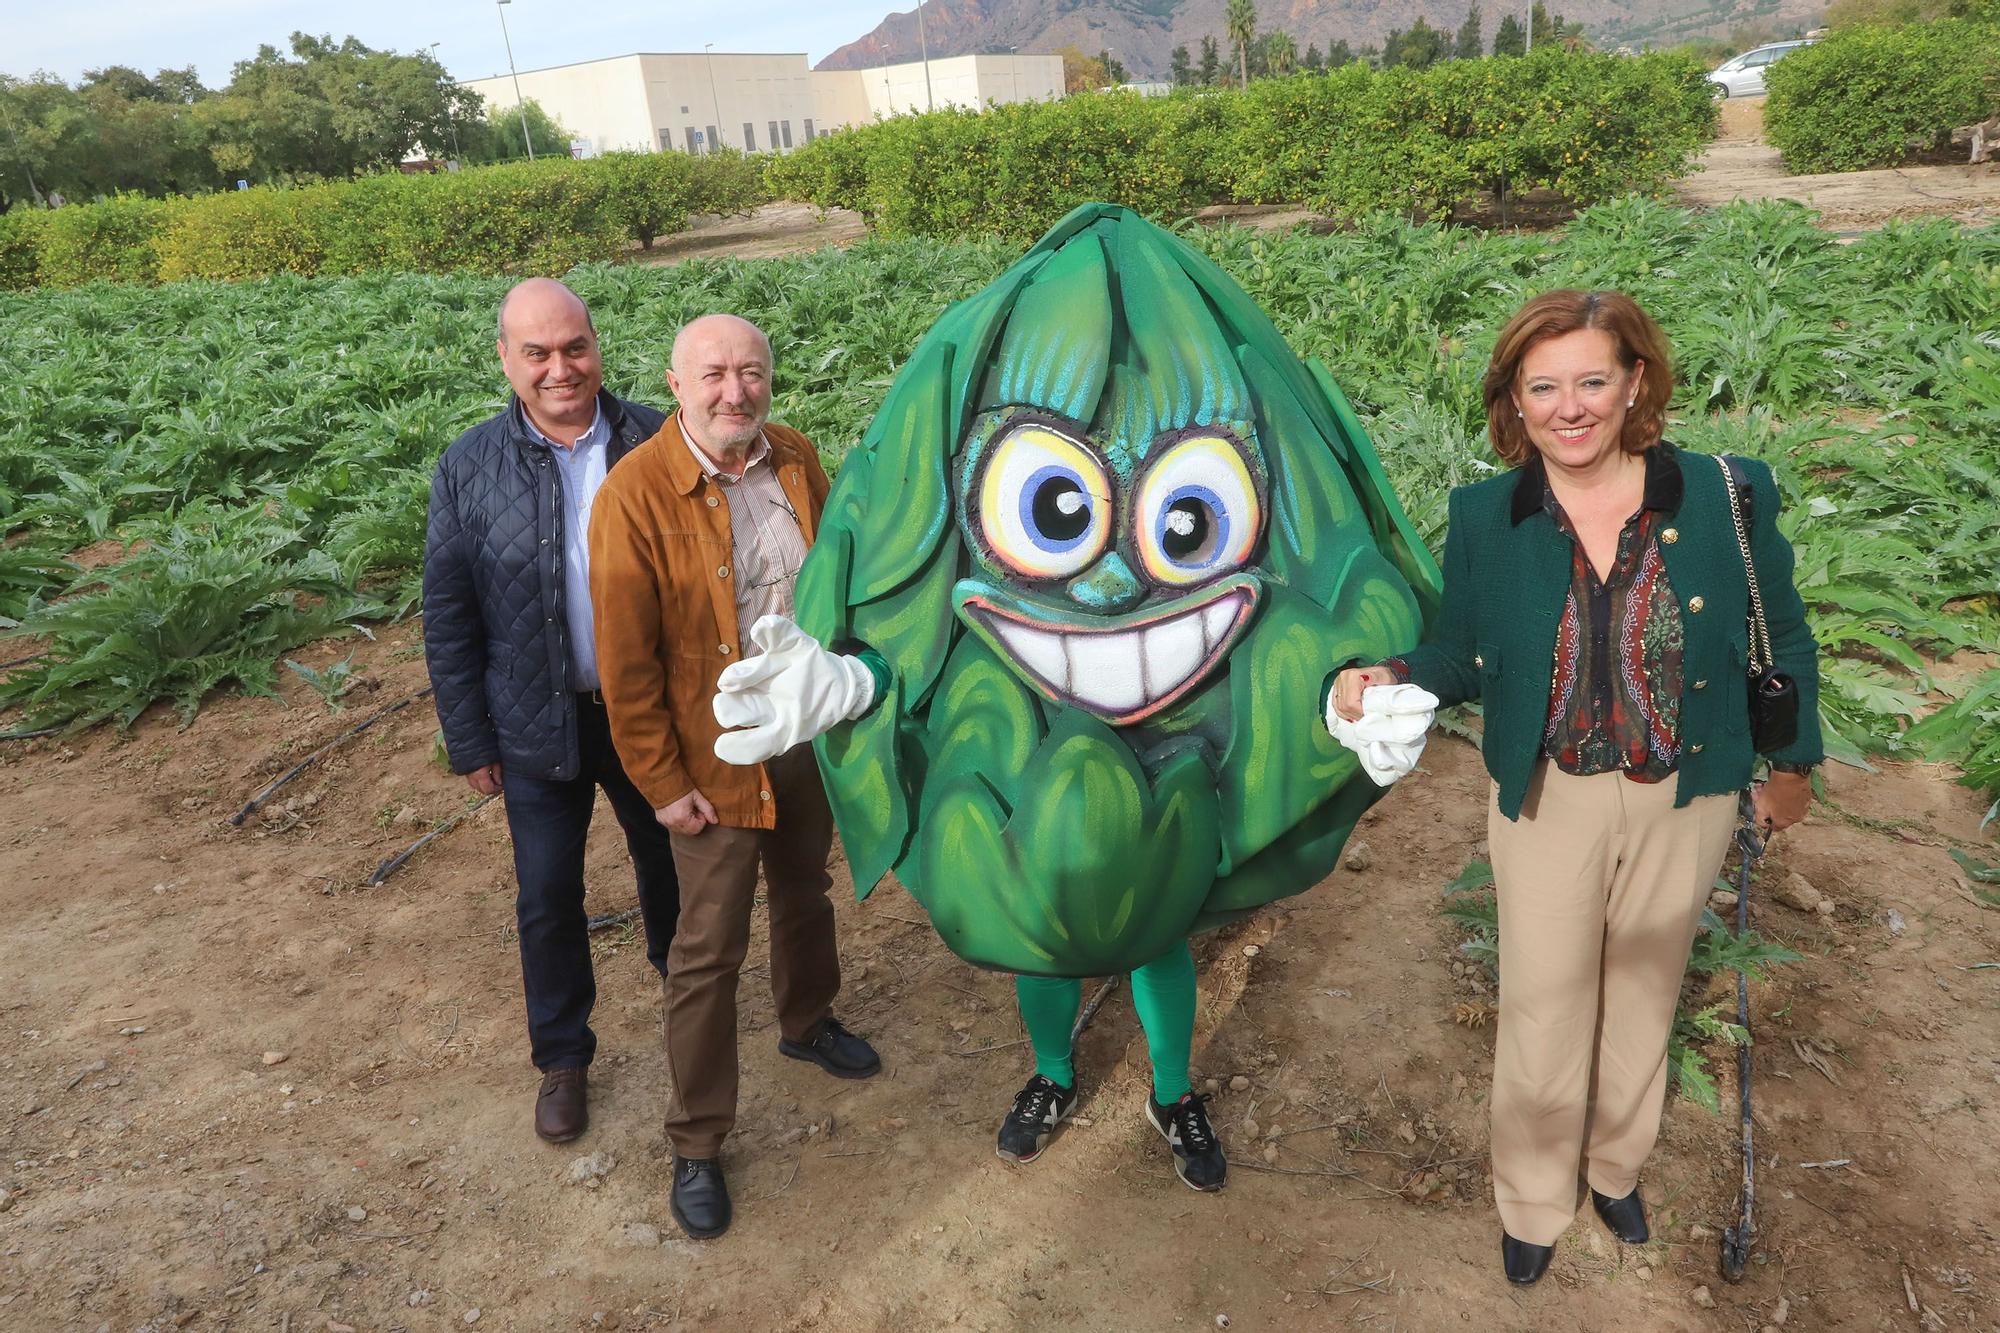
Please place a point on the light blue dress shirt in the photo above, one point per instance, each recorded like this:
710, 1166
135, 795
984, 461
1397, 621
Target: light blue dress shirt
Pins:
583, 467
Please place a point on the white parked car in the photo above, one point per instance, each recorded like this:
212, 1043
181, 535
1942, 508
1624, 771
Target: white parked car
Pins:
1743, 76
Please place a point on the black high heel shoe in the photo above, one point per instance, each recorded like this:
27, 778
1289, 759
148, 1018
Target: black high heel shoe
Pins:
1626, 1217
1525, 1263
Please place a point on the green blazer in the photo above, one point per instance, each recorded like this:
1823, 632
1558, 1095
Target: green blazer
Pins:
1507, 577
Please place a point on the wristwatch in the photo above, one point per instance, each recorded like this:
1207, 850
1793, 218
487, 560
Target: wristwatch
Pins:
1787, 766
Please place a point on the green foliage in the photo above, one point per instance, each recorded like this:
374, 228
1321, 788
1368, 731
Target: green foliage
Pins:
654, 194
1865, 374
504, 133
117, 239
539, 217
1967, 731
210, 601
329, 683
319, 110
1871, 96
1471, 905
1358, 140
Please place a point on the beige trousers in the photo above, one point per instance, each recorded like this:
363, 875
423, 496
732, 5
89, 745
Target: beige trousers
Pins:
1601, 883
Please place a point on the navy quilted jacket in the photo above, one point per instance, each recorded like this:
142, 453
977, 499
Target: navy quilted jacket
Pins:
495, 636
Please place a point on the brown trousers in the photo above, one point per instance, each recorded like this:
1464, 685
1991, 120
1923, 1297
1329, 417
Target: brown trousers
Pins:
1601, 884
718, 875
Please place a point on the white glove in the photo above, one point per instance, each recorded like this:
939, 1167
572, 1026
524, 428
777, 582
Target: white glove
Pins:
1389, 738
790, 692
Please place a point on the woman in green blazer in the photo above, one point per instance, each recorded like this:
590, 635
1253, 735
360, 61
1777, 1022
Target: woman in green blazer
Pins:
1595, 599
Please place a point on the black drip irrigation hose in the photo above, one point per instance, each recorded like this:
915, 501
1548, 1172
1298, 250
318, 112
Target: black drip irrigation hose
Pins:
611, 919
28, 735
395, 863
22, 661
1090, 1010
250, 806
1736, 1239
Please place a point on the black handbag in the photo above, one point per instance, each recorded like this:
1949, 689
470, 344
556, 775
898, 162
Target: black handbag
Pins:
1774, 695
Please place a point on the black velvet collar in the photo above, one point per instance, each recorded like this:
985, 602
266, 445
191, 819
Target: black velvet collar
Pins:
1663, 484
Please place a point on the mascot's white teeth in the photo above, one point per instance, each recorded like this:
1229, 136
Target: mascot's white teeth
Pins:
1127, 673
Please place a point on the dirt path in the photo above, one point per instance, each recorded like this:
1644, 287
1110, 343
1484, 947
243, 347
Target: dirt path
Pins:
1741, 165
161, 1172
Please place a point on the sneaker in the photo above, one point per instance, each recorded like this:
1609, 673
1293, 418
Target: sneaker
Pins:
1197, 1153
1038, 1109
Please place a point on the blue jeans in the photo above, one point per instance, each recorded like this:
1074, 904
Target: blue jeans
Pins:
548, 821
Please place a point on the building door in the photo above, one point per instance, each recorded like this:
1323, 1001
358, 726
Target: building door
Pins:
774, 134
749, 137
787, 125
808, 128
666, 139
693, 139
714, 140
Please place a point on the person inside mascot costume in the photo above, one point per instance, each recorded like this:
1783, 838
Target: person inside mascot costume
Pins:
1066, 636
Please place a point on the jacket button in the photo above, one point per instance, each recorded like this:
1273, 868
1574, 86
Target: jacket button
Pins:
1670, 536
1701, 684
545, 541
722, 571
763, 796
1695, 604
713, 502
1478, 660
1695, 748
722, 648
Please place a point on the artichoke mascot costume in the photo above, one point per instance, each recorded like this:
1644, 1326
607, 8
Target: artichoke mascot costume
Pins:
1086, 582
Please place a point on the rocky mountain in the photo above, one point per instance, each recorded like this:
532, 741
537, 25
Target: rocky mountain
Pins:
1143, 33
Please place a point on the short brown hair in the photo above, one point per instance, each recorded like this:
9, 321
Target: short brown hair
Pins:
1553, 314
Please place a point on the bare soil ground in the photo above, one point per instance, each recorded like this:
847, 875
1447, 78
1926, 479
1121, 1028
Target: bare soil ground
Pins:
245, 1092
1741, 165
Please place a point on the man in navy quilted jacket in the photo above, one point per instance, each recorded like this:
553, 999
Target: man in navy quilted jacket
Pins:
508, 637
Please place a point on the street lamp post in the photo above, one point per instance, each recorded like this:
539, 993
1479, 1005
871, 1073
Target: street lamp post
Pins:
520, 103
925, 43
450, 117
714, 101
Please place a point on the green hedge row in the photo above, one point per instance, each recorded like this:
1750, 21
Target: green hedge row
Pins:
540, 217
1873, 96
1354, 141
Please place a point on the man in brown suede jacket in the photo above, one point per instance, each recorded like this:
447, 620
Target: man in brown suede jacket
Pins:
701, 531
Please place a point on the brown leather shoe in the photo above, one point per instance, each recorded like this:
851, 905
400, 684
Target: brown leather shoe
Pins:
562, 1107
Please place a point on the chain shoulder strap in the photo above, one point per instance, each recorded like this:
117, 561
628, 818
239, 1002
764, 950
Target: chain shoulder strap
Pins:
1760, 634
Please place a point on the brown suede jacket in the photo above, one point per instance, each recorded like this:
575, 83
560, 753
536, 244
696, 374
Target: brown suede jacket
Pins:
660, 565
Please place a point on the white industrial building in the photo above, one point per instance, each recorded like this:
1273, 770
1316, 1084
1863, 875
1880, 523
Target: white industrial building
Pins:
757, 102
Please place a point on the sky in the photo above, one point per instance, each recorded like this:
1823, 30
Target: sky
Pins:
67, 38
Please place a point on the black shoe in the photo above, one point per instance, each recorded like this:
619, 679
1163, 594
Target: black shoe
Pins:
700, 1199
1038, 1109
1626, 1217
1197, 1154
836, 1050
1524, 1263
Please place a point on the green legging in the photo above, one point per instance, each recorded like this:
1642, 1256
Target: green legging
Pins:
1162, 992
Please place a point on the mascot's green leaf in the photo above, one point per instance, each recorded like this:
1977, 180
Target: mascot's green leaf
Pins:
871, 803
1093, 865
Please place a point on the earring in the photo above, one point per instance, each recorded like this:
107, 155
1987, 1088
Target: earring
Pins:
1630, 401
1517, 411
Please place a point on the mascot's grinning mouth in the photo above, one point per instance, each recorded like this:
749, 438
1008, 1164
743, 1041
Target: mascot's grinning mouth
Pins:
1125, 670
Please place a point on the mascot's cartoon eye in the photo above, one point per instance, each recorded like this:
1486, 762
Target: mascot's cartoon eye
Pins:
1044, 503
1198, 511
